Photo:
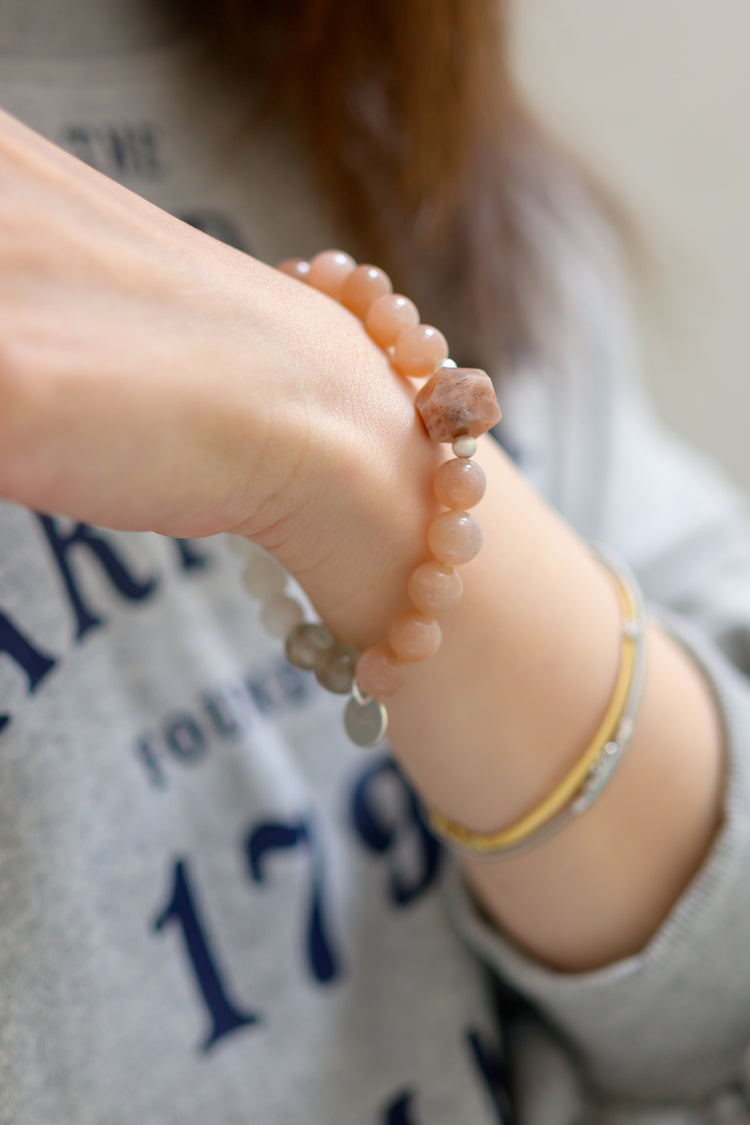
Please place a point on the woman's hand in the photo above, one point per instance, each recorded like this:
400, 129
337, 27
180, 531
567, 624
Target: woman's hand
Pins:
153, 378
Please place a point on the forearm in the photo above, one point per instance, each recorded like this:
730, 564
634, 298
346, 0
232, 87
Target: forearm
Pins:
489, 726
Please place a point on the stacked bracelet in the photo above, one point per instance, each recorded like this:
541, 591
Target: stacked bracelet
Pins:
457, 405
594, 769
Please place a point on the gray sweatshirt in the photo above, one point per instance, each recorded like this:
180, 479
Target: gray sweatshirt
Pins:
211, 908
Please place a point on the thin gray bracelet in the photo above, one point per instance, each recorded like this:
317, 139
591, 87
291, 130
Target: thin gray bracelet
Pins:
604, 765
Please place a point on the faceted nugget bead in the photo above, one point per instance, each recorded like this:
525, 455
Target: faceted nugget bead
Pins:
388, 317
435, 586
307, 644
459, 483
414, 635
419, 351
329, 270
335, 670
456, 401
454, 537
363, 287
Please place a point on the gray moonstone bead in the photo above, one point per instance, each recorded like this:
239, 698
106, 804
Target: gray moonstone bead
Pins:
307, 644
335, 671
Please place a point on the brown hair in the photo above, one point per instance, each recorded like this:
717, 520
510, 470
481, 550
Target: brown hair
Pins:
420, 142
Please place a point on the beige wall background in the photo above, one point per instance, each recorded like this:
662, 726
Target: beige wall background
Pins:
656, 95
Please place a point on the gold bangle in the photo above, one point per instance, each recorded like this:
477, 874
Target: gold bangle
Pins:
548, 810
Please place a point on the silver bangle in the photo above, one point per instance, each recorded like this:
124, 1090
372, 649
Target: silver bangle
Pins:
603, 767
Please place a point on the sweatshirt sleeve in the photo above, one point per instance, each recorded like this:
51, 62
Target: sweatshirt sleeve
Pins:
670, 1026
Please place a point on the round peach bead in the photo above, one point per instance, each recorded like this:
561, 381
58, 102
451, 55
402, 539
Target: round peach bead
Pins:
295, 267
435, 586
459, 483
363, 287
414, 635
379, 673
388, 317
419, 351
329, 270
454, 537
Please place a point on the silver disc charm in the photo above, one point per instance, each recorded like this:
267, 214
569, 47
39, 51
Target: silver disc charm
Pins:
365, 721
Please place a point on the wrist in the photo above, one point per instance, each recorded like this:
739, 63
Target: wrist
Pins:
346, 467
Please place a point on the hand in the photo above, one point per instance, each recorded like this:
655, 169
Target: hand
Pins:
153, 378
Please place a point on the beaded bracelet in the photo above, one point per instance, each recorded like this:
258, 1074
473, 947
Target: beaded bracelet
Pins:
594, 769
457, 405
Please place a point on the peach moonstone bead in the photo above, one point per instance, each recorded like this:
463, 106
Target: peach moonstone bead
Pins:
329, 270
435, 586
454, 537
419, 351
414, 635
459, 483
388, 317
379, 673
295, 267
363, 287
456, 401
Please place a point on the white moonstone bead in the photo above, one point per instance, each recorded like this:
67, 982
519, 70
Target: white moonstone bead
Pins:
281, 614
243, 547
264, 576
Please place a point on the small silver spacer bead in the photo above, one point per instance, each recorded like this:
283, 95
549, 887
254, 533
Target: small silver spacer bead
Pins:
464, 446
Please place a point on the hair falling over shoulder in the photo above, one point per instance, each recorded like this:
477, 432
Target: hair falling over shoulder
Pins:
420, 141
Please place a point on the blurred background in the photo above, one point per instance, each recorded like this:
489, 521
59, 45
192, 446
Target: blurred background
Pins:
655, 94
